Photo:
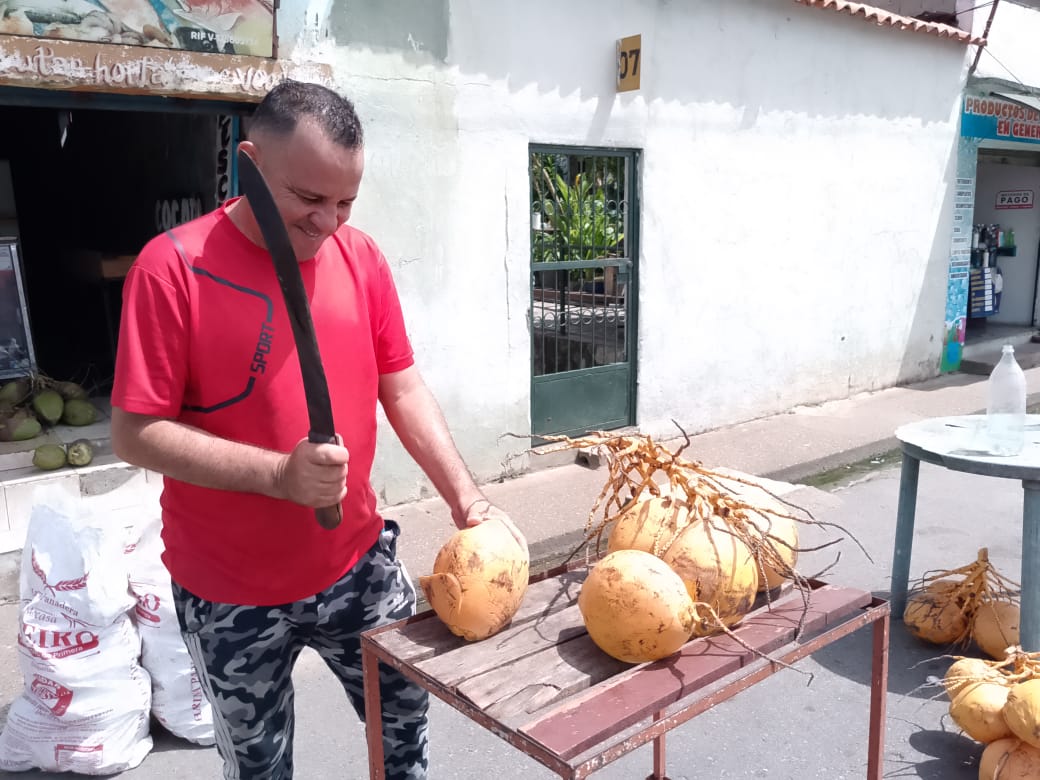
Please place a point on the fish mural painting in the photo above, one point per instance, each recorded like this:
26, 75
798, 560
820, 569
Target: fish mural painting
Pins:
213, 26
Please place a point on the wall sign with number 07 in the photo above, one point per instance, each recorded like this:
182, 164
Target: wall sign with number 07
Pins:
629, 63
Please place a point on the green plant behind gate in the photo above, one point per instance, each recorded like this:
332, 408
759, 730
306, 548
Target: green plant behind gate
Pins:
579, 221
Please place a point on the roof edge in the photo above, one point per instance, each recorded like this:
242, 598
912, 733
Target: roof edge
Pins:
883, 18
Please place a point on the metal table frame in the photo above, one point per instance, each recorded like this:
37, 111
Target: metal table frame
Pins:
683, 706
945, 441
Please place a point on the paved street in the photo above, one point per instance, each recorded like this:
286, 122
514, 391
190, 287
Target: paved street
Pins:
785, 727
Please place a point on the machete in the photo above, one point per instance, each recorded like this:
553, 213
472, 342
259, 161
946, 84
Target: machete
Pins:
315, 386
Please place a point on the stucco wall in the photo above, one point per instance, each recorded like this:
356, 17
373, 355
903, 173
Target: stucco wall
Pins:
795, 195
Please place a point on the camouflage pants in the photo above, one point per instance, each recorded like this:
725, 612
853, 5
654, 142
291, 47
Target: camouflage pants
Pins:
248, 653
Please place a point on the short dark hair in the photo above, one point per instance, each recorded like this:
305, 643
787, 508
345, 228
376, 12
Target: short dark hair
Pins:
289, 101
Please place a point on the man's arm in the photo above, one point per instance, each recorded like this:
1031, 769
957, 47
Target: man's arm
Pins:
312, 474
419, 424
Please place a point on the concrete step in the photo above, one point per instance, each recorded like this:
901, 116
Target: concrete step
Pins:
983, 357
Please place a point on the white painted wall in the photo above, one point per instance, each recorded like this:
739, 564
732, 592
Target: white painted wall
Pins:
796, 199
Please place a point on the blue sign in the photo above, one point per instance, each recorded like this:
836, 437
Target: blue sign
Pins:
999, 120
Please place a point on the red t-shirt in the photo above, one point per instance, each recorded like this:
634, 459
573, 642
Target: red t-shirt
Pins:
205, 339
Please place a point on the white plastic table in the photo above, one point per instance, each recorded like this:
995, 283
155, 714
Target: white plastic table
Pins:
955, 443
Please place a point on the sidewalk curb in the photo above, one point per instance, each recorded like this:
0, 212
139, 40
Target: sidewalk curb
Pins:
807, 470
802, 472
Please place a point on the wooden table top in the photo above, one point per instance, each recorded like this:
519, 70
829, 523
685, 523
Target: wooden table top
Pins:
959, 443
544, 678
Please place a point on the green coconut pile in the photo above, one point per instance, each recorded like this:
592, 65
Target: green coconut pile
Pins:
29, 405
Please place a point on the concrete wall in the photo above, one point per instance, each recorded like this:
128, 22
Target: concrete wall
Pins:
796, 206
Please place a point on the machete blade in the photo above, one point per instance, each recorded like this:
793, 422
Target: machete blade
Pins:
315, 385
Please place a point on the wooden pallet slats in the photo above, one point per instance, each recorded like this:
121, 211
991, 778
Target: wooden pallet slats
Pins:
425, 636
546, 688
627, 698
507, 647
516, 691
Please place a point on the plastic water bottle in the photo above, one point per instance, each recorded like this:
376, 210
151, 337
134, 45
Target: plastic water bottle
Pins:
1006, 410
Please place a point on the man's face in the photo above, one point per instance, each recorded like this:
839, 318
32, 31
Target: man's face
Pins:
314, 180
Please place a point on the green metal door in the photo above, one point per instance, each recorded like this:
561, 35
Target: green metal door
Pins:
583, 295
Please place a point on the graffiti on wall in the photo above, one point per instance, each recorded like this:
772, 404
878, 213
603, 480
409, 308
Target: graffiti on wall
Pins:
31, 62
214, 26
226, 132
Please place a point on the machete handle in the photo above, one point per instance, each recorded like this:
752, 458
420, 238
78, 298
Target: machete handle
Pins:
328, 516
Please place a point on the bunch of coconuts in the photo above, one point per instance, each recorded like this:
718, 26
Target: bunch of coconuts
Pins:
29, 404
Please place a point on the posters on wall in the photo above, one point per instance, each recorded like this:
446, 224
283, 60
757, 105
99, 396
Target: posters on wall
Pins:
244, 27
960, 256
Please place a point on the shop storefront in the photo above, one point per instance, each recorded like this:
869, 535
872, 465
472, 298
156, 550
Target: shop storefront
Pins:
106, 144
993, 276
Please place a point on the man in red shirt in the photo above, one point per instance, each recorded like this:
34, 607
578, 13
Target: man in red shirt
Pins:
208, 393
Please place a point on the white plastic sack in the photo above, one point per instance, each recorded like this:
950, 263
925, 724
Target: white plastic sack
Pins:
85, 703
178, 702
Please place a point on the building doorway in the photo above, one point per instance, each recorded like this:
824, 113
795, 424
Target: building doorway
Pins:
85, 182
584, 250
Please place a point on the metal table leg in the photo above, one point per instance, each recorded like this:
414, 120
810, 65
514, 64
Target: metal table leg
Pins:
1029, 627
904, 533
659, 754
878, 693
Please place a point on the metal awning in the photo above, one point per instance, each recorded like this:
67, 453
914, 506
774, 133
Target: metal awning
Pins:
1027, 101
883, 18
